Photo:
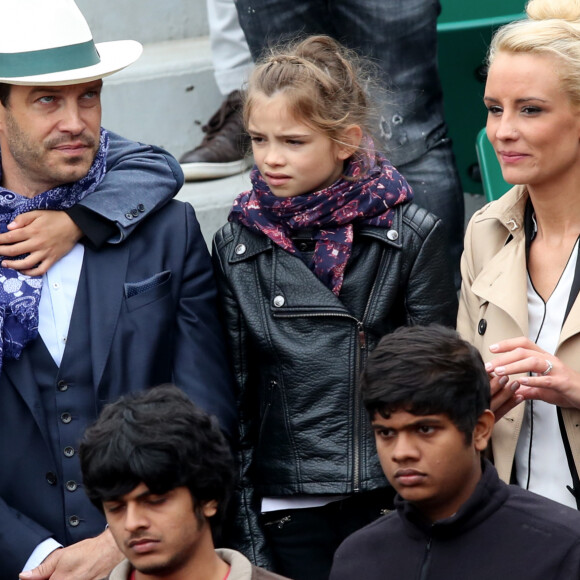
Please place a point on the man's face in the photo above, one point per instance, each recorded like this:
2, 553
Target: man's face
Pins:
427, 460
49, 136
160, 534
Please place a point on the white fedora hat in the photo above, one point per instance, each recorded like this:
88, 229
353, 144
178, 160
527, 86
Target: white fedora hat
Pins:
48, 42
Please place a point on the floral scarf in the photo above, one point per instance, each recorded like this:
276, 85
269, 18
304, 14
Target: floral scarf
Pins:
366, 194
19, 293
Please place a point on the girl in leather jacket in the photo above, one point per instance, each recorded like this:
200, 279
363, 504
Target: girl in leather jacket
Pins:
323, 256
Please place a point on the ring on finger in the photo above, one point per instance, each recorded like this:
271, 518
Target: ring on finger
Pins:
548, 368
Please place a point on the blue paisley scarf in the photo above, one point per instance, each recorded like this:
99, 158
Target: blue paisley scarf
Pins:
20, 294
366, 194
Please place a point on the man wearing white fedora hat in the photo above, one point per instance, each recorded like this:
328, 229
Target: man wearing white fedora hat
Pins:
97, 324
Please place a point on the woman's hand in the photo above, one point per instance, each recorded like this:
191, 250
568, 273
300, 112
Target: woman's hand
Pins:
560, 385
45, 235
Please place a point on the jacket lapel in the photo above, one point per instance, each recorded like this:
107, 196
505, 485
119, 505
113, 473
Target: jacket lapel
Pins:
572, 325
20, 374
106, 275
503, 282
293, 286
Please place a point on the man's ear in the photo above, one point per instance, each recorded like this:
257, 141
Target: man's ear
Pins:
349, 142
2, 116
210, 508
483, 429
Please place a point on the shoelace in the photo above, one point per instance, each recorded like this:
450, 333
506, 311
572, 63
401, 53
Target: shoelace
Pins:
230, 106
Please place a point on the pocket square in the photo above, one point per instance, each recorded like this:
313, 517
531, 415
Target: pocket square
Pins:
134, 288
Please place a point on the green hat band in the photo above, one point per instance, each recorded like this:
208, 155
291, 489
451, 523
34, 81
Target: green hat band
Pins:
50, 60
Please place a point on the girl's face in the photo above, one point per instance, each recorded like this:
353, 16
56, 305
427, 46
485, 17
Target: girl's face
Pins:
292, 157
531, 123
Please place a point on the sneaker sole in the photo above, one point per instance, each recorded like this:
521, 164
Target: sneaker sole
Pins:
200, 171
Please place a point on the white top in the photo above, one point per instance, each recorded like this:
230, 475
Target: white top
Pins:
59, 288
541, 463
296, 502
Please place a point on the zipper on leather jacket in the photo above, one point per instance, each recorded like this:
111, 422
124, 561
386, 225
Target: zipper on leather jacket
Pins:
357, 407
362, 340
361, 337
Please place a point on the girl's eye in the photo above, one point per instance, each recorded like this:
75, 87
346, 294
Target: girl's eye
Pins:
531, 110
494, 110
295, 142
255, 139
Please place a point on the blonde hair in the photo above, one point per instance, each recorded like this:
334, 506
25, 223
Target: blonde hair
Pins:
324, 84
551, 28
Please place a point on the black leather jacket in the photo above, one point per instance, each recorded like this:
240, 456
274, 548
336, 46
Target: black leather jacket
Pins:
298, 349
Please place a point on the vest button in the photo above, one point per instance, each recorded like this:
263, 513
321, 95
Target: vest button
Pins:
482, 326
279, 301
62, 386
68, 451
74, 521
66, 418
50, 478
71, 485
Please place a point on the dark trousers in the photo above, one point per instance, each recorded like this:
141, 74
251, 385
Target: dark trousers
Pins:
303, 541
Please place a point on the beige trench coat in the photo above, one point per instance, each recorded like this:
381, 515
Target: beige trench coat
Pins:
493, 307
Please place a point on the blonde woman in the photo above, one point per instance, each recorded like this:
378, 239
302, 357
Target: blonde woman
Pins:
519, 303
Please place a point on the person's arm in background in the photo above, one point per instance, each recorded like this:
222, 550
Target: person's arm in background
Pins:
139, 180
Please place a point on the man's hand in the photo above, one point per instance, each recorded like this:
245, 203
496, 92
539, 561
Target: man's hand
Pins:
504, 395
43, 234
91, 559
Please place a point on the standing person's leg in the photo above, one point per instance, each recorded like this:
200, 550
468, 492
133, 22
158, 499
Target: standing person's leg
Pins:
304, 541
268, 21
401, 37
225, 145
231, 56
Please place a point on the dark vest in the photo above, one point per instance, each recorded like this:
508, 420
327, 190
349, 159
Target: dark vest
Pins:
69, 401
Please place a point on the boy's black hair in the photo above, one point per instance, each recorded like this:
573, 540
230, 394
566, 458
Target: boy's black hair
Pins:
160, 438
427, 370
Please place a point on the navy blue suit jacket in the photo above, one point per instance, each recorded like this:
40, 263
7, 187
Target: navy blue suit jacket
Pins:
166, 330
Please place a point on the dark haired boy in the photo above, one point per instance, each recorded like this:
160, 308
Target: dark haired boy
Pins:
161, 471
427, 394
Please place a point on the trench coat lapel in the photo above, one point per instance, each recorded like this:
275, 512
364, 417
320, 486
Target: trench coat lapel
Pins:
503, 282
572, 325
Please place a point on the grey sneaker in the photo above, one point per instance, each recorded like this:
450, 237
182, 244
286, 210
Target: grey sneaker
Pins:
225, 149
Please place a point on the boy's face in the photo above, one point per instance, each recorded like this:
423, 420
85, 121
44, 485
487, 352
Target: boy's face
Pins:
427, 460
160, 534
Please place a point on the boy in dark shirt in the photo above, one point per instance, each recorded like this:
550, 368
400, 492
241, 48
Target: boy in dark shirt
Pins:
427, 395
